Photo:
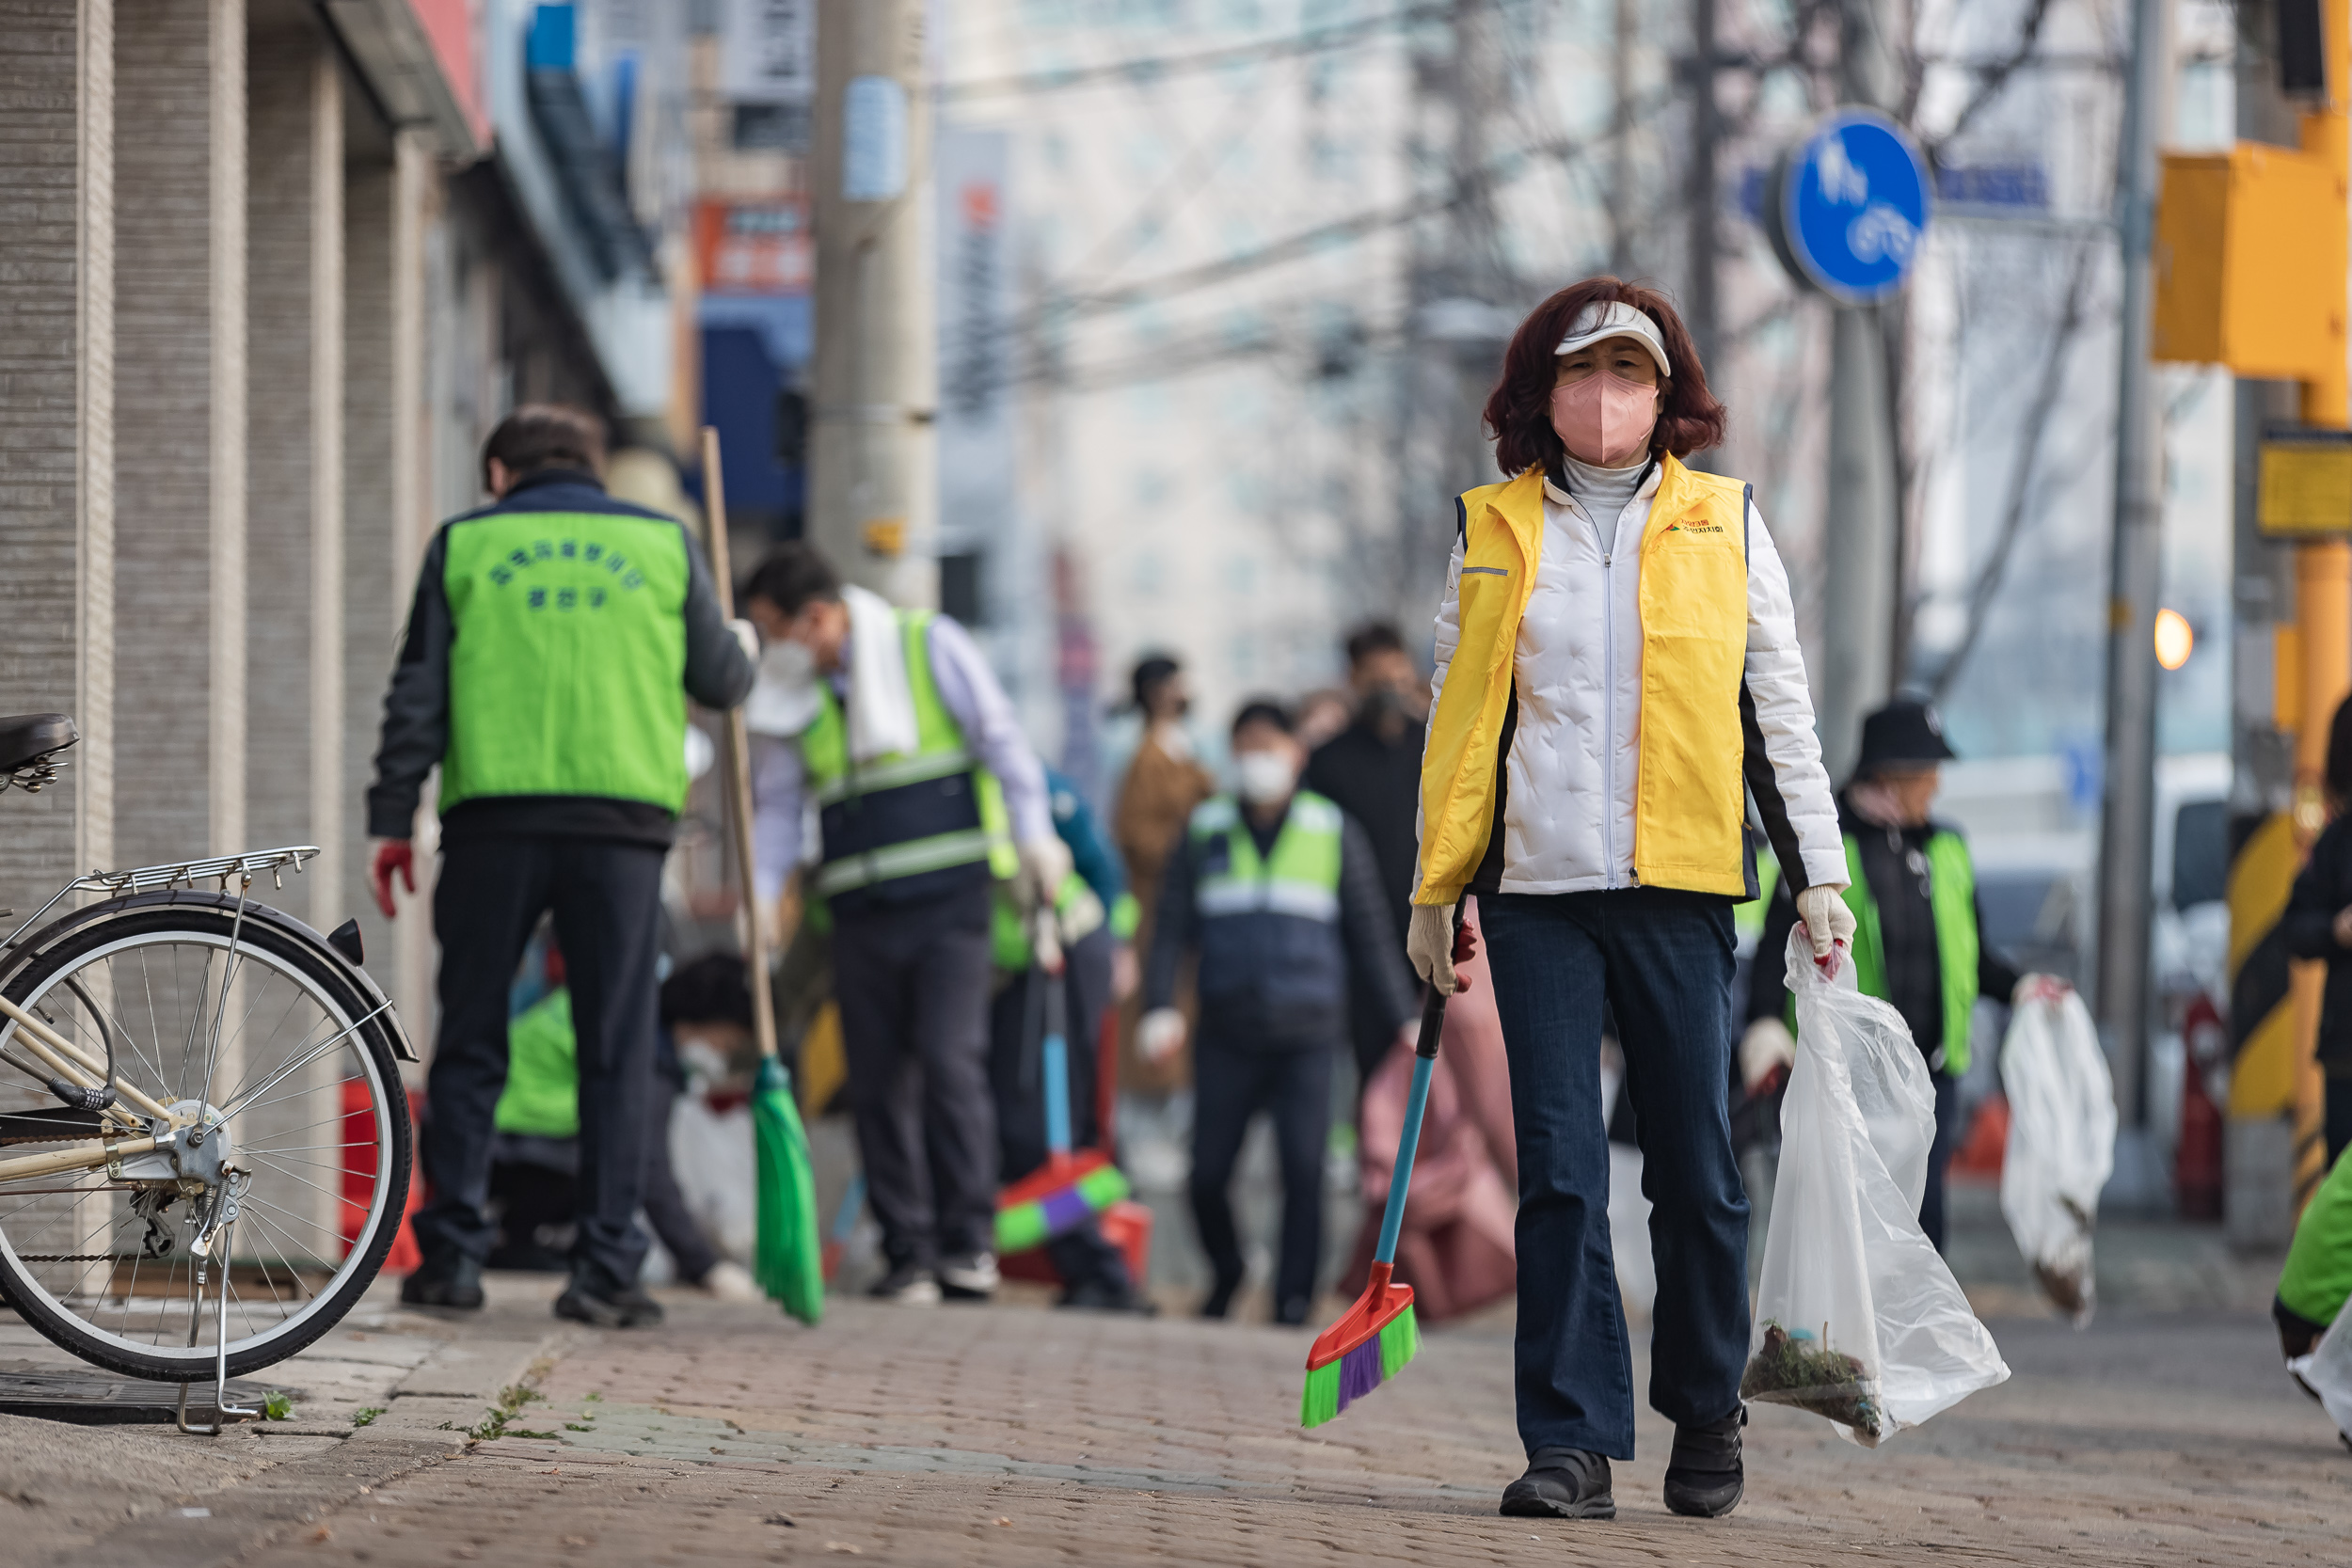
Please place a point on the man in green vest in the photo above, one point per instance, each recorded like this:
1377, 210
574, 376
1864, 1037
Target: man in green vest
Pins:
1917, 940
554, 640
927, 793
1278, 893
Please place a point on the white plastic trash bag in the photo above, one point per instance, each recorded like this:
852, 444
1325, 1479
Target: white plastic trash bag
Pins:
2061, 1141
2327, 1372
1857, 1318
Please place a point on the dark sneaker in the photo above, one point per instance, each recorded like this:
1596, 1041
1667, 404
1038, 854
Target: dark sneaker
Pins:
972, 1276
1220, 1297
1562, 1483
456, 1286
1703, 1478
907, 1284
1095, 1295
629, 1309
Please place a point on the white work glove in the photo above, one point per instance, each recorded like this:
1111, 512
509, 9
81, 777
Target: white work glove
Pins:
1045, 864
1767, 1047
1160, 1033
1827, 920
2040, 988
1429, 942
746, 637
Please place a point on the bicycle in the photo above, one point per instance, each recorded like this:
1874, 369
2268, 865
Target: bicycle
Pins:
200, 1114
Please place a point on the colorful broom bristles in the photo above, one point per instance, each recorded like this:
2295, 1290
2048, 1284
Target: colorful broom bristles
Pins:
1079, 1190
1361, 1351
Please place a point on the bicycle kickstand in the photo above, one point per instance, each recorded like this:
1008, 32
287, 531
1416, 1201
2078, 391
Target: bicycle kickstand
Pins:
223, 1412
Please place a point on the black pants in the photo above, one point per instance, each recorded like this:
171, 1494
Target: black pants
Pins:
605, 898
1231, 1085
1940, 1156
2337, 1127
1015, 1077
912, 981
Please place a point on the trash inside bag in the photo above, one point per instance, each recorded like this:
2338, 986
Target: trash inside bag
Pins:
1857, 1319
2061, 1141
2326, 1371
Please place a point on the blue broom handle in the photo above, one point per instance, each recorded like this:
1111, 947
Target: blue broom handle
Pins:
1425, 1060
1056, 1088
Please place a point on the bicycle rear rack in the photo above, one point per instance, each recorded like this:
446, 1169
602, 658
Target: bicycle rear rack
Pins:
223, 869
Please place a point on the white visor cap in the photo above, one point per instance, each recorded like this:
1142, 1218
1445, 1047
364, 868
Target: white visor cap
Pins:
1616, 319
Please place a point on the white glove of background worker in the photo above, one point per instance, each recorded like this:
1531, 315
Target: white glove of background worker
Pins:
1045, 864
746, 637
1160, 1033
1827, 920
1766, 1047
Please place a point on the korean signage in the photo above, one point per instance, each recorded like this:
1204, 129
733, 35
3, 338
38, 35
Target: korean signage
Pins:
754, 247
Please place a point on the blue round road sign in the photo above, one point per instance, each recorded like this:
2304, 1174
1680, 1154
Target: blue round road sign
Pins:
1849, 205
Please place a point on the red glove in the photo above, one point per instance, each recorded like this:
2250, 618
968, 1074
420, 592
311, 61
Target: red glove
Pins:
392, 854
1464, 949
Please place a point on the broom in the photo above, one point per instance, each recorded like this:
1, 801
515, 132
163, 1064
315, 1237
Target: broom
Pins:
1068, 1189
1378, 1335
787, 1251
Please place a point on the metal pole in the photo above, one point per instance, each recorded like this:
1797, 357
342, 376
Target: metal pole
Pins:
873, 499
1862, 513
1699, 307
2127, 821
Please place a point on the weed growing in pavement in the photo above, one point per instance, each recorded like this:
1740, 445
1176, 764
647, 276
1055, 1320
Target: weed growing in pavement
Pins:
511, 1401
277, 1405
364, 1417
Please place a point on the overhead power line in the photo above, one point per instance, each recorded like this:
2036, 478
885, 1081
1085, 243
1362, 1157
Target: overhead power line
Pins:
1314, 40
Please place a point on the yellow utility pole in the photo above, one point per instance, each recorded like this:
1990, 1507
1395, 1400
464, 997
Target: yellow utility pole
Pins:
2251, 260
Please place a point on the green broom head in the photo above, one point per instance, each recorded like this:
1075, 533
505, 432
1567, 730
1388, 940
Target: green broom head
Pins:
1054, 1200
1363, 1350
787, 1258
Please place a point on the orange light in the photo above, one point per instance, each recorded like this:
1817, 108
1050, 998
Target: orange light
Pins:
2176, 638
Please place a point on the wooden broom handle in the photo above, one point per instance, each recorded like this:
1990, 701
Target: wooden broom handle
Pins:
738, 761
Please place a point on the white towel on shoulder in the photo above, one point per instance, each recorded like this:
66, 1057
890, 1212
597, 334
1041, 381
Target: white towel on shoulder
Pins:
882, 698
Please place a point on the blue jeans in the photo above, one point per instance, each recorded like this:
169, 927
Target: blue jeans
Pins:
1662, 960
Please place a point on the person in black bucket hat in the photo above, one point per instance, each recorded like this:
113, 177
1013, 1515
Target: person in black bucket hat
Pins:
1918, 939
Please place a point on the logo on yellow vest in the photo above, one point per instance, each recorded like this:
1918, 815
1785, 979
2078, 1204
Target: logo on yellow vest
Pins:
1692, 524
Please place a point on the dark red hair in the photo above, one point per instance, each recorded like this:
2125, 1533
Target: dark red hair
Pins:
1519, 411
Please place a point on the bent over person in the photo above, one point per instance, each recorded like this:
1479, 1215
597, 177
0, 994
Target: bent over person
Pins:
555, 637
1618, 670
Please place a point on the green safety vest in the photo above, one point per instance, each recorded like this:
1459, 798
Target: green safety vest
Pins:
895, 816
1300, 877
1269, 931
541, 1094
1952, 901
1008, 934
567, 658
2318, 1273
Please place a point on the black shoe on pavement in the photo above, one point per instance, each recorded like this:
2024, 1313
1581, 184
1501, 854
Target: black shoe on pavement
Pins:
1220, 1297
970, 1277
1562, 1483
1703, 1478
585, 1304
1093, 1295
907, 1284
456, 1286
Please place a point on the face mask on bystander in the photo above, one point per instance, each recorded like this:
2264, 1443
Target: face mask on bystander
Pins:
1604, 418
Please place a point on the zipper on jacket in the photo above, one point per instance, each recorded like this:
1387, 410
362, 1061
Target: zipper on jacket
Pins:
1609, 704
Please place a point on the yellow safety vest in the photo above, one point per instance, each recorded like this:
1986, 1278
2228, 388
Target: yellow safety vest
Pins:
1691, 804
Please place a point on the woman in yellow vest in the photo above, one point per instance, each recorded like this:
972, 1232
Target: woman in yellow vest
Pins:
1618, 670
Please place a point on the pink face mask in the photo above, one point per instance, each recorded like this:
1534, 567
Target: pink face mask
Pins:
1604, 418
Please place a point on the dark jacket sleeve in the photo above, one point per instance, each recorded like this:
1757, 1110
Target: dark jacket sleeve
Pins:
2307, 930
1767, 972
1089, 852
1996, 977
1172, 927
416, 707
718, 674
1368, 930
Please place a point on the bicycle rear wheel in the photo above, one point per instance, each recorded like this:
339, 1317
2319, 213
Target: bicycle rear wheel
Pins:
276, 1042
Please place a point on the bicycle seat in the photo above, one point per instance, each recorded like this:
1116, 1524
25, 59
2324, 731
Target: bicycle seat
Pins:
29, 736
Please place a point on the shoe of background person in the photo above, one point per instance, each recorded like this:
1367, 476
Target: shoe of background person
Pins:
457, 1286
1562, 1483
972, 1276
907, 1284
1704, 1477
1093, 1295
630, 1308
729, 1280
1219, 1300
1293, 1313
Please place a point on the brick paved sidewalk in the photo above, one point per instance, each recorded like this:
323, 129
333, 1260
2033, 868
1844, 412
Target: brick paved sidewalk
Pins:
1019, 1437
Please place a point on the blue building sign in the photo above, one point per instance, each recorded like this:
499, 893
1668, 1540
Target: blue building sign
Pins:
1848, 206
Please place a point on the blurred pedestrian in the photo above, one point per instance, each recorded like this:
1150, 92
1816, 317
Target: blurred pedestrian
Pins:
1919, 932
926, 794
2318, 925
1164, 782
1618, 670
1095, 917
554, 640
1322, 714
1279, 894
1372, 771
